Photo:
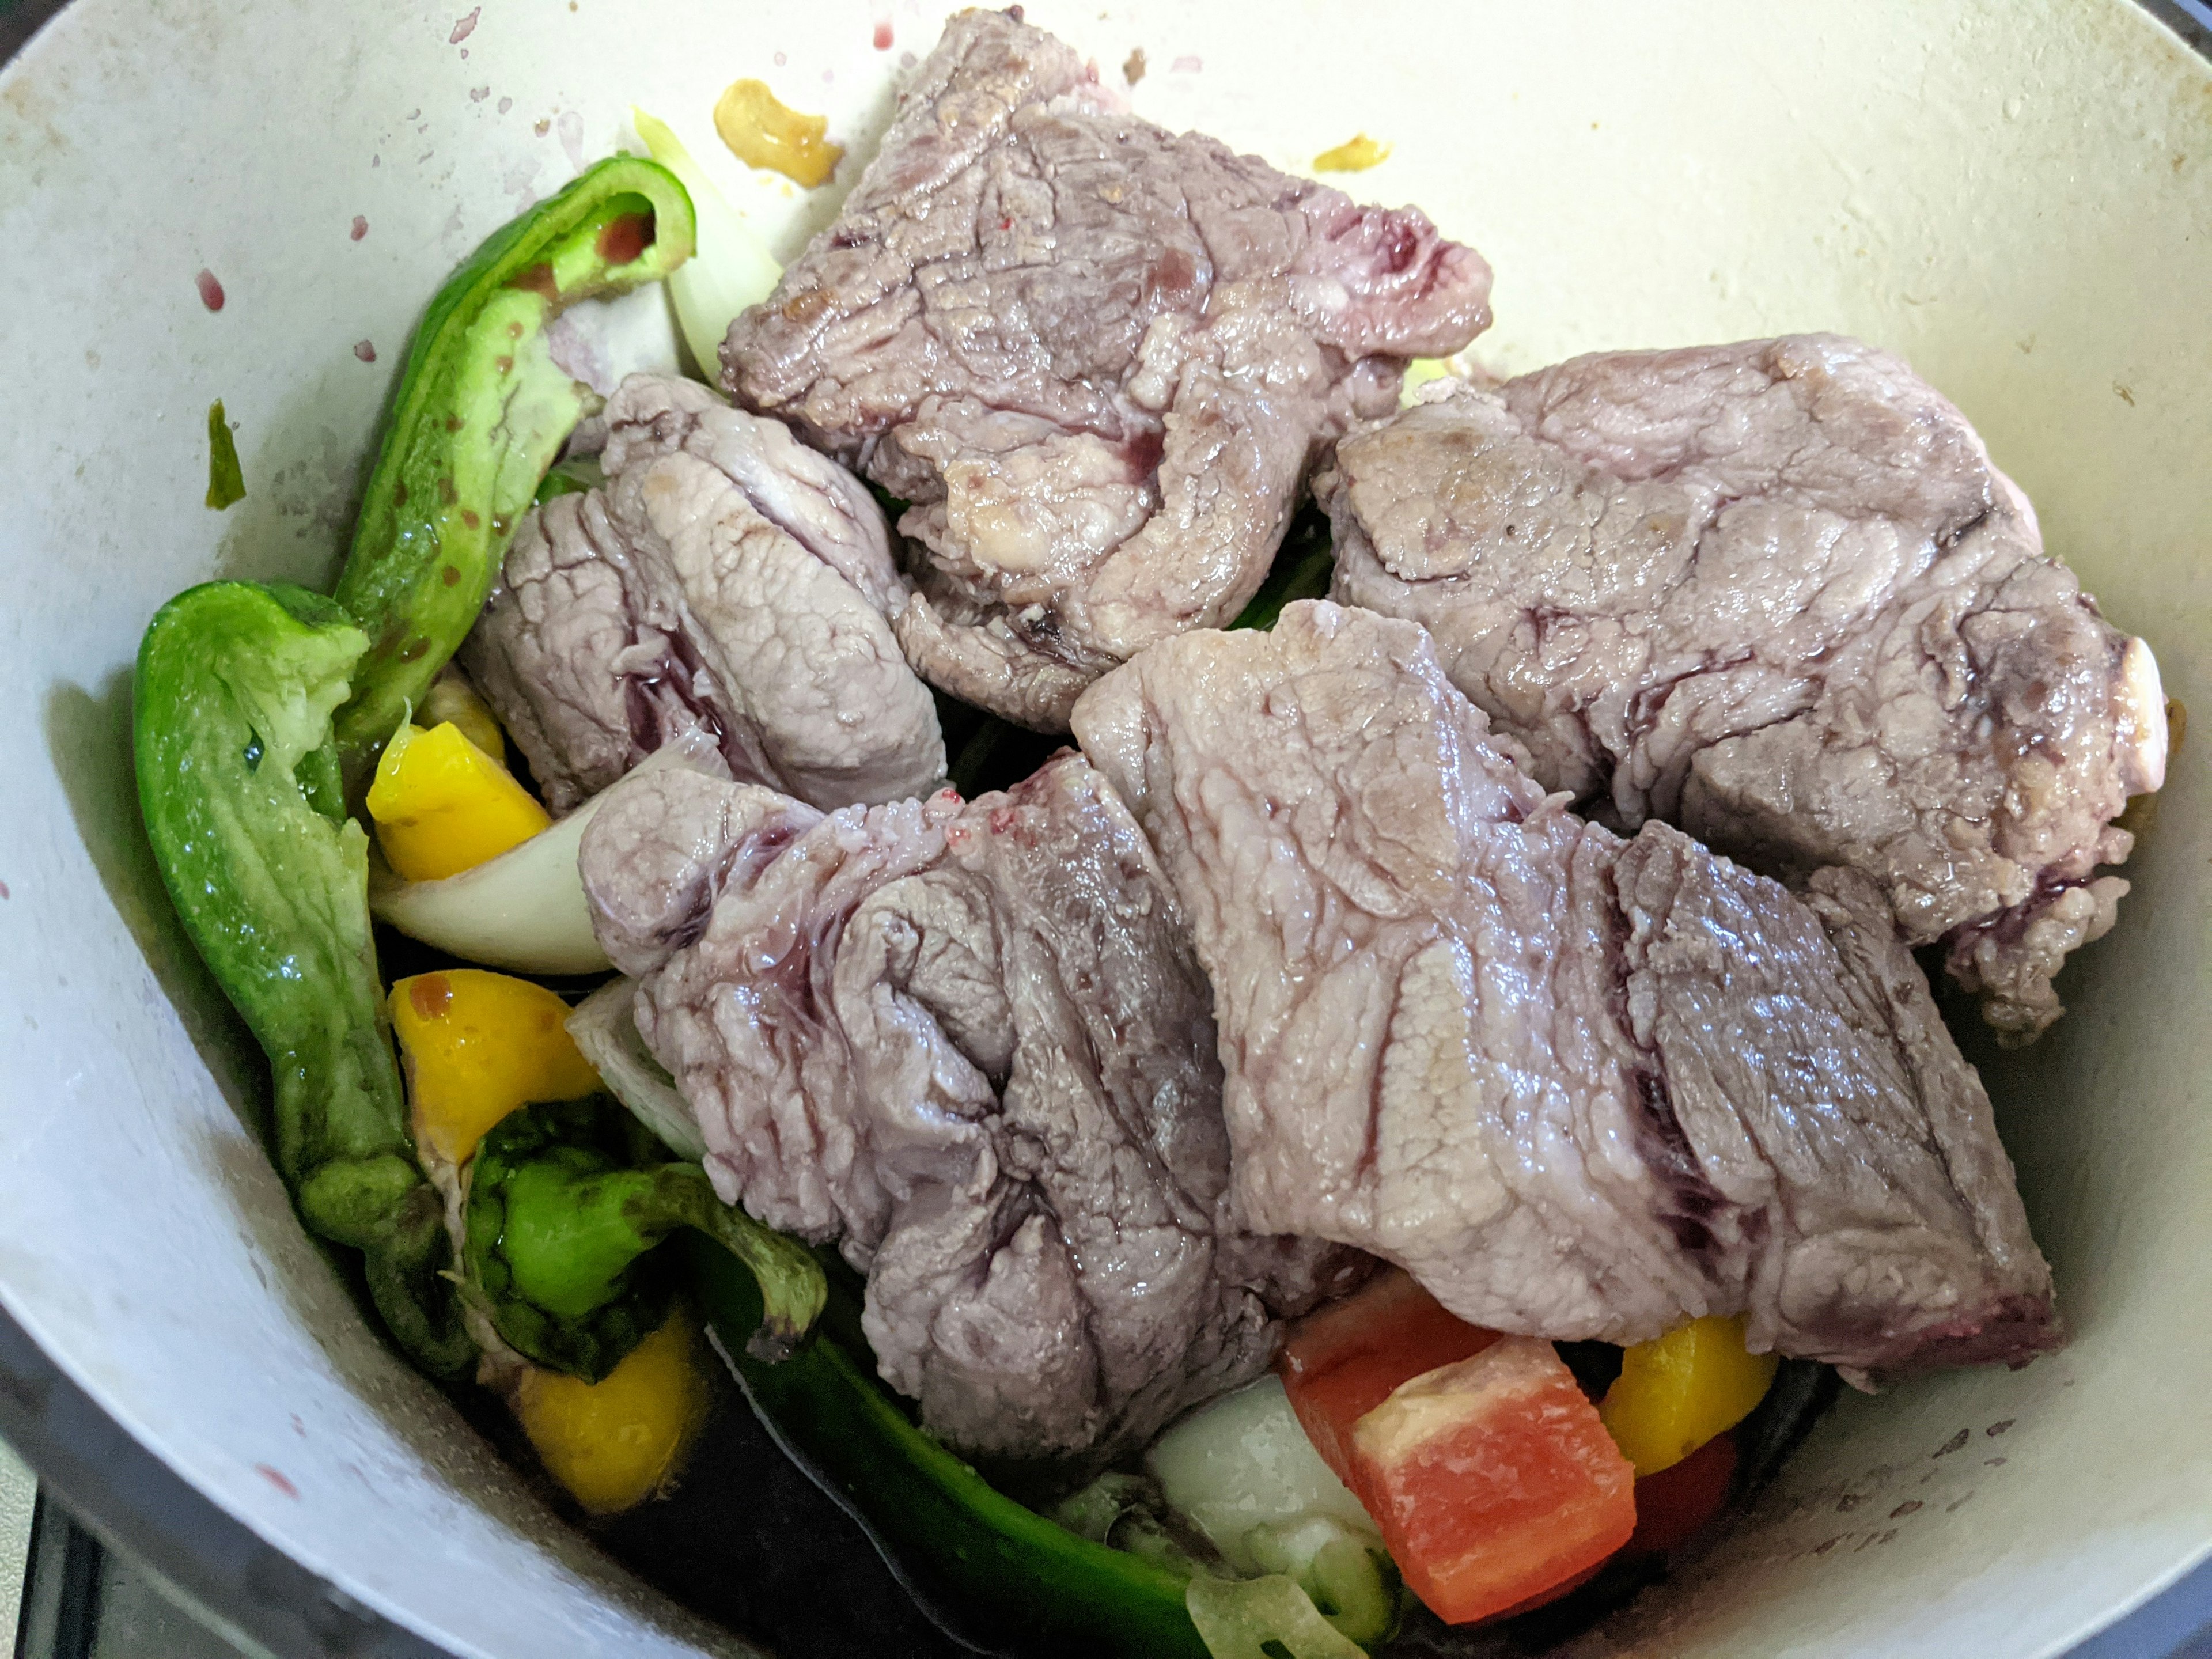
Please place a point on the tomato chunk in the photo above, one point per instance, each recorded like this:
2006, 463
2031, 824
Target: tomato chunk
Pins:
1341, 1362
1492, 1479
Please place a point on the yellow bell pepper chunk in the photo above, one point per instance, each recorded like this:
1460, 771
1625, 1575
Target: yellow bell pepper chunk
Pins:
616, 1443
1675, 1394
451, 698
442, 805
477, 1045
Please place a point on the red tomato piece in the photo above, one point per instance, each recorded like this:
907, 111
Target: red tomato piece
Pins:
1341, 1362
1676, 1504
1493, 1480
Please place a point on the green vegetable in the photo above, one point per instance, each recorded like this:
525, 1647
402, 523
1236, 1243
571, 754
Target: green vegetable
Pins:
563, 1209
1264, 1619
940, 1521
1302, 570
480, 412
239, 781
226, 478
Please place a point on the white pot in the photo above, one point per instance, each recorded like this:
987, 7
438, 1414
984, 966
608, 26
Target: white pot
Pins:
2017, 196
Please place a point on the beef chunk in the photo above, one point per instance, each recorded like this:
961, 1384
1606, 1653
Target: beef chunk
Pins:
1776, 594
728, 579
1581, 1087
968, 1040
1096, 357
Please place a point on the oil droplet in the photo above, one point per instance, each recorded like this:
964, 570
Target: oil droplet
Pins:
210, 290
1356, 156
226, 478
763, 132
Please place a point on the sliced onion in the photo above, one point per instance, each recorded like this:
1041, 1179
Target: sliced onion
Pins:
525, 910
730, 272
605, 1025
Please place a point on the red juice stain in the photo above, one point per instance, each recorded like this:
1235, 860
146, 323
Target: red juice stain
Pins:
277, 1479
464, 27
360, 226
366, 350
884, 36
210, 290
625, 237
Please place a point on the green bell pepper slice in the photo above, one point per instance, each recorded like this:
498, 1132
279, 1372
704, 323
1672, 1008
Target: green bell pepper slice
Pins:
238, 779
567, 1202
481, 411
929, 1512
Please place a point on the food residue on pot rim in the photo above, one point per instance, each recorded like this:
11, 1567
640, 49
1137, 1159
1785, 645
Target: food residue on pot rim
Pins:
210, 289
1355, 154
1132, 68
226, 479
762, 131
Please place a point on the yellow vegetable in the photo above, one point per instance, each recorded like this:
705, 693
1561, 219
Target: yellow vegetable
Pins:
616, 1443
1677, 1393
1353, 156
442, 805
451, 697
477, 1045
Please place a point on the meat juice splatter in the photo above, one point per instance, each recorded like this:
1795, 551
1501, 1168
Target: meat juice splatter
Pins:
360, 227
366, 350
464, 27
762, 131
211, 295
883, 35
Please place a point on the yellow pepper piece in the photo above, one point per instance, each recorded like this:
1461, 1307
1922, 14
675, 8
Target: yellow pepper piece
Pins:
477, 1045
451, 697
442, 805
1677, 1393
616, 1443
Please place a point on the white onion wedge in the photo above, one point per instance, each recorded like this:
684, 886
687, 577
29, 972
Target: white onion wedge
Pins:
731, 270
605, 1029
524, 910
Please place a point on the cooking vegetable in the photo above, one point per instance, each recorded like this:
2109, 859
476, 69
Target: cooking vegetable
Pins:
1262, 1619
616, 1443
451, 697
1493, 1481
733, 268
1303, 568
479, 1045
1680, 1502
238, 779
1242, 1470
969, 1548
226, 478
481, 411
605, 1029
1675, 1394
442, 805
525, 909
564, 1201
1341, 1362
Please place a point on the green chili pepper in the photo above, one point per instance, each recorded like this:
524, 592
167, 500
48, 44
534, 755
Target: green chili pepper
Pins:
564, 1209
239, 781
936, 1518
1303, 568
481, 411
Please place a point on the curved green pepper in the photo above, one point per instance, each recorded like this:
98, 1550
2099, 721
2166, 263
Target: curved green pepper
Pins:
482, 410
239, 782
566, 1199
934, 1515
